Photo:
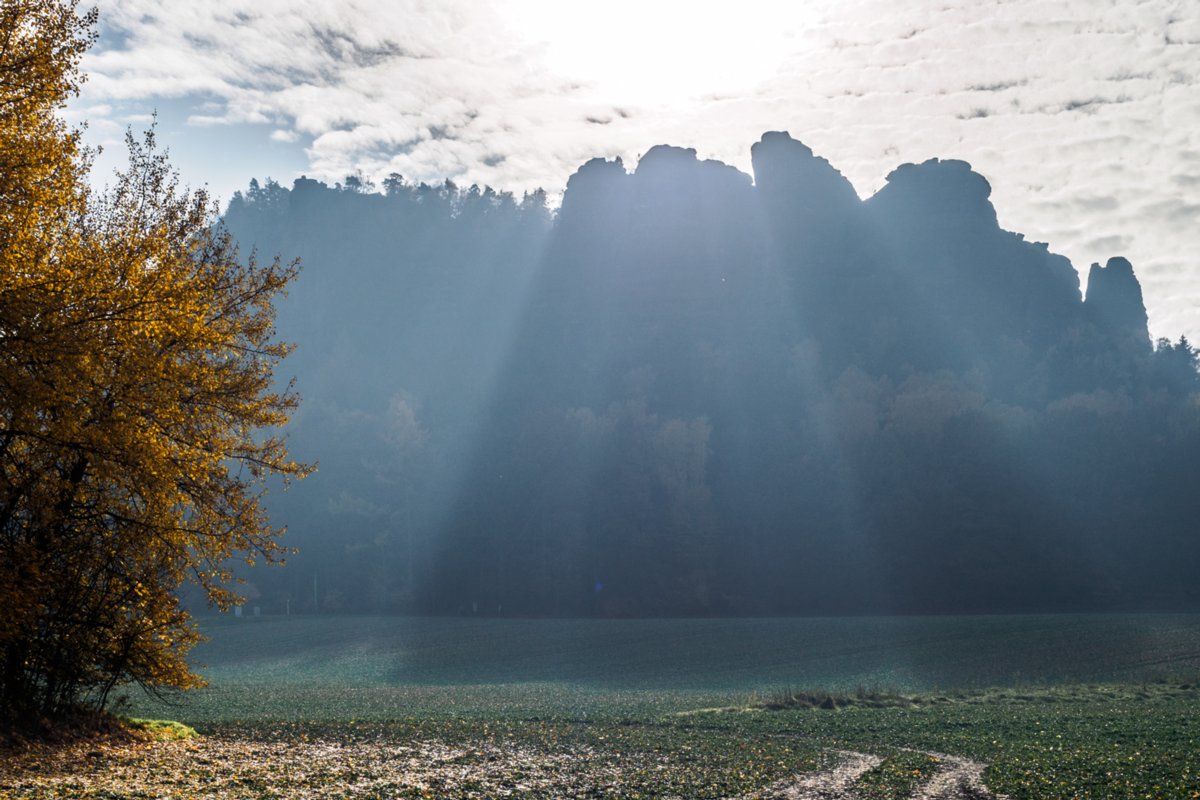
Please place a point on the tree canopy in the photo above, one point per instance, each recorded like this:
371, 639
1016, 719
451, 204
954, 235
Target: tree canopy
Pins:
139, 414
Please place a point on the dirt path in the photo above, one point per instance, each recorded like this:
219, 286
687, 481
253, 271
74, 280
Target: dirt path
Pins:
301, 769
830, 784
956, 779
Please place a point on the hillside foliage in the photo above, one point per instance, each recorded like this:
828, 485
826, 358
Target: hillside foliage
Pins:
690, 392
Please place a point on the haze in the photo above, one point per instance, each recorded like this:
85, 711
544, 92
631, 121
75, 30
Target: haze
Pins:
691, 392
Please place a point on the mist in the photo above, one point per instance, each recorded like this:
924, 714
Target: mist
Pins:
689, 391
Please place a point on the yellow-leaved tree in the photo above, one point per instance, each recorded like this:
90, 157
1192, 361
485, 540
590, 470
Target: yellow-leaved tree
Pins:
139, 416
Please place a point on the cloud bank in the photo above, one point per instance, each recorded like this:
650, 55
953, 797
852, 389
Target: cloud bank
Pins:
1085, 118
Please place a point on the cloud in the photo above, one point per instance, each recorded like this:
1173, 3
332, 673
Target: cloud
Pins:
1098, 104
1110, 244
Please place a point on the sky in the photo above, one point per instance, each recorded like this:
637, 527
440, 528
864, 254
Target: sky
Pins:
1084, 115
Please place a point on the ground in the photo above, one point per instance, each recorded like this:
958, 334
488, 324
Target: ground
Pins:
220, 768
1102, 741
1080, 708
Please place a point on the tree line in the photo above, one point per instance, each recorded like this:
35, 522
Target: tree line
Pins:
690, 391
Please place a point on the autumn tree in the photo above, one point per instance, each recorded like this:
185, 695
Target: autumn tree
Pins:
139, 416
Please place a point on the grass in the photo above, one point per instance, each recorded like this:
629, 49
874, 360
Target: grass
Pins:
1104, 741
831, 701
166, 729
1091, 742
371, 707
1041, 743
899, 776
909, 654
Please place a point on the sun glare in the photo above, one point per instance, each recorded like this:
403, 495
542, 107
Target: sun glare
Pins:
660, 53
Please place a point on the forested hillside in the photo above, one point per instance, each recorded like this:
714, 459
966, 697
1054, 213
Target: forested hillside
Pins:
690, 392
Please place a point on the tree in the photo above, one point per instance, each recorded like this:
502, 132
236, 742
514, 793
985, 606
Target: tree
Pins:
138, 415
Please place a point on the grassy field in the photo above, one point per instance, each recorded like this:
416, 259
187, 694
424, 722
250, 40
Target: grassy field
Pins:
912, 653
1042, 707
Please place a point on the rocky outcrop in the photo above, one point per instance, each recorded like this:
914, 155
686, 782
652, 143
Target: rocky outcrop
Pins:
788, 174
946, 194
1114, 301
599, 182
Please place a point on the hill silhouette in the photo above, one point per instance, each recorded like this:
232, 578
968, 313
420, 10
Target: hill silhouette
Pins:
691, 391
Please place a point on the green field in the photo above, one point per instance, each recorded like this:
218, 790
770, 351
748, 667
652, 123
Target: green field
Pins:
1045, 706
911, 653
